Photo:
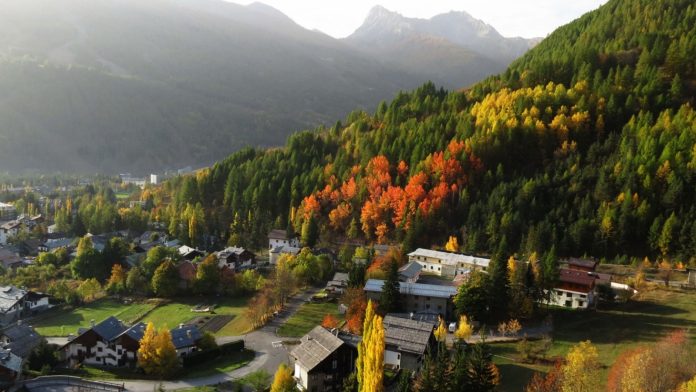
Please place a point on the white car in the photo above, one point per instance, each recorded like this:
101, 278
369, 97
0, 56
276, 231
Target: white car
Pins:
452, 327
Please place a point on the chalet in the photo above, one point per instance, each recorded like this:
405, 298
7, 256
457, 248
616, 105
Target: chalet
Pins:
581, 264
98, 241
187, 274
9, 230
189, 253
52, 244
235, 258
406, 342
186, 339
278, 251
418, 297
10, 259
7, 212
52, 229
410, 272
338, 284
20, 338
322, 361
16, 302
280, 238
576, 289
447, 264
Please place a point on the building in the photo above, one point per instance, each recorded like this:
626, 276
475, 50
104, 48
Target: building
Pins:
445, 263
9, 230
322, 361
16, 303
235, 258
275, 253
154, 179
576, 289
187, 274
582, 264
189, 253
52, 244
10, 368
7, 212
338, 284
278, 238
19, 338
10, 259
418, 297
406, 342
112, 343
410, 272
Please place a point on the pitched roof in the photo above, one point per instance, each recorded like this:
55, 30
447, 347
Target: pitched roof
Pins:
316, 346
9, 296
22, 339
278, 234
407, 335
135, 332
582, 278
286, 249
410, 270
422, 289
110, 328
584, 263
185, 336
10, 361
231, 250
450, 258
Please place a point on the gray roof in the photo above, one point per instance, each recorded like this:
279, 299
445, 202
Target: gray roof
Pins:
22, 339
340, 277
136, 331
110, 328
9, 296
278, 234
410, 270
316, 346
231, 250
10, 361
407, 335
422, 289
286, 249
448, 258
185, 336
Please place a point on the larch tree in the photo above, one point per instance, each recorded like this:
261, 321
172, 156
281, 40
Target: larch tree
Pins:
147, 352
157, 354
581, 372
370, 362
464, 330
452, 244
441, 331
283, 381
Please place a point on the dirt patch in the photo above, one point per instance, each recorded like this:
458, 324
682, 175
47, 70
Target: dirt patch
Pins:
211, 323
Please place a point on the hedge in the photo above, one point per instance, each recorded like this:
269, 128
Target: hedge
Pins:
198, 357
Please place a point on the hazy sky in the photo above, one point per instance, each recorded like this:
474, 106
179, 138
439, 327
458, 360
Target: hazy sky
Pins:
525, 18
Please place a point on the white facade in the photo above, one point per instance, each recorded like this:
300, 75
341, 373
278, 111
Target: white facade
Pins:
571, 299
392, 359
8, 231
447, 264
292, 242
154, 179
301, 376
101, 354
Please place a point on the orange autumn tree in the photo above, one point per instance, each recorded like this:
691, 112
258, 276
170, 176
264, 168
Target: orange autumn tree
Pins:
329, 321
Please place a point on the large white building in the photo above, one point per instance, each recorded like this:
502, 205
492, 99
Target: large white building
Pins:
447, 264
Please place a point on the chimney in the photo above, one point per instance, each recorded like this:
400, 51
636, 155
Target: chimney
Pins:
181, 326
92, 322
188, 333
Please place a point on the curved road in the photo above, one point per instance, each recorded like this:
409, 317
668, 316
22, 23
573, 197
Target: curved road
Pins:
268, 356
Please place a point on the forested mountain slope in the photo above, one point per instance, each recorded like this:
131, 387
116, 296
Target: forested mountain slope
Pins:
586, 144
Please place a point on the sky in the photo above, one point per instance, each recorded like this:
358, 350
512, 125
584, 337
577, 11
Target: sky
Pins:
512, 18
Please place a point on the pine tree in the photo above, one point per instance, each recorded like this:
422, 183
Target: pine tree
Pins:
499, 283
483, 374
389, 298
310, 232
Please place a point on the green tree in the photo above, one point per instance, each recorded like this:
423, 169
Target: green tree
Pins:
207, 275
165, 281
390, 298
310, 232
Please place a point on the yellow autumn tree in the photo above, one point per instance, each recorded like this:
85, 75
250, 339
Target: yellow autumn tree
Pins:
441, 331
689, 386
512, 270
581, 370
283, 381
157, 354
370, 369
464, 330
452, 244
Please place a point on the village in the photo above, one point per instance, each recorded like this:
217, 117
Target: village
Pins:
321, 353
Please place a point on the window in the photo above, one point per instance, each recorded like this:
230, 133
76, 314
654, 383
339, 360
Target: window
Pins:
431, 267
427, 306
568, 304
439, 307
334, 364
569, 295
99, 349
581, 303
427, 298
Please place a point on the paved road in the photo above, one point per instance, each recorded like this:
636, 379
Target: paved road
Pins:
261, 341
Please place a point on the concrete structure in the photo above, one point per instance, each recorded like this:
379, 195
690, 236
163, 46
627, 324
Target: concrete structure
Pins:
418, 297
445, 263
322, 361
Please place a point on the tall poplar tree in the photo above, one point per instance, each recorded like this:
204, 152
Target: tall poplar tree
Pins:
370, 362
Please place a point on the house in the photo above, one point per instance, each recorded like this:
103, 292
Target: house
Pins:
278, 251
187, 274
185, 339
418, 297
8, 230
447, 264
322, 361
581, 264
10, 259
98, 241
337, 284
7, 212
410, 272
11, 304
189, 253
406, 342
576, 289
52, 244
52, 229
30, 247
280, 238
20, 338
236, 258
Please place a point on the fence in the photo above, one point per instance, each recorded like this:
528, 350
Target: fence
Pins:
71, 381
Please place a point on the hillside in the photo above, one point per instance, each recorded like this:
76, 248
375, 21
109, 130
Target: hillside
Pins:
456, 48
126, 85
585, 145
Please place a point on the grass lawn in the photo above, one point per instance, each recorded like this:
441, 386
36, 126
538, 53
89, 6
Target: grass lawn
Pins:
223, 364
61, 322
307, 317
179, 311
642, 321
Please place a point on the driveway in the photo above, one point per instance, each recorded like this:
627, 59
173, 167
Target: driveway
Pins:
268, 355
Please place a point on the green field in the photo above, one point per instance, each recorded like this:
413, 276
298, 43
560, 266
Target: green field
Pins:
62, 321
307, 317
642, 321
